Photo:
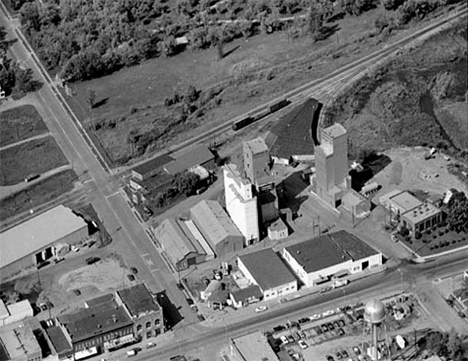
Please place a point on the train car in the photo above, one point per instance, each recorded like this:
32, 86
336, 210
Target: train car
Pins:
243, 123
281, 104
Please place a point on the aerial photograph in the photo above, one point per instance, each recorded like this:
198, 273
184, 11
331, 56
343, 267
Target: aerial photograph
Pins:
234, 180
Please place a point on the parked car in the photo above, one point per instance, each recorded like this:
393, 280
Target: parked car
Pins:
284, 340
134, 270
92, 260
328, 313
74, 248
329, 358
150, 345
324, 328
131, 278
344, 353
131, 353
291, 339
356, 350
261, 308
302, 344
341, 323
315, 317
330, 326
77, 292
59, 259
341, 332
279, 328
302, 334
303, 320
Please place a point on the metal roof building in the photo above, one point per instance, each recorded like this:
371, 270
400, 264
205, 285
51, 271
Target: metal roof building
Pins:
216, 227
265, 269
30, 242
199, 155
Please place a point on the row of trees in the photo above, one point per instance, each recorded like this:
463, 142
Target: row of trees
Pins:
12, 76
183, 184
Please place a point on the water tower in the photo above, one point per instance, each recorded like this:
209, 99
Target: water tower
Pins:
374, 315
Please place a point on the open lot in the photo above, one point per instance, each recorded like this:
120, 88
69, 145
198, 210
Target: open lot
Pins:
20, 123
34, 157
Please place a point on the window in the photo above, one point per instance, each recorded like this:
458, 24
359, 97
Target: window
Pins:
148, 334
139, 327
157, 332
148, 324
156, 322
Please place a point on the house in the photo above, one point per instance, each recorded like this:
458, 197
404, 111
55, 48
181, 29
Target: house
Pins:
265, 269
330, 257
143, 309
245, 296
182, 243
216, 227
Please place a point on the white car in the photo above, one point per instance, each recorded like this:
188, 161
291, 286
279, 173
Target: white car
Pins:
261, 308
303, 344
317, 316
284, 340
328, 313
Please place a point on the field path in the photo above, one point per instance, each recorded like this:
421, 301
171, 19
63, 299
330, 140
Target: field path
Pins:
25, 140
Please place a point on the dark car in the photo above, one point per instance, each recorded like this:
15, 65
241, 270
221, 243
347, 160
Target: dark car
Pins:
344, 353
201, 318
131, 277
336, 324
329, 358
279, 328
291, 339
341, 323
303, 320
77, 292
324, 328
338, 355
92, 260
134, 270
330, 326
318, 330
341, 332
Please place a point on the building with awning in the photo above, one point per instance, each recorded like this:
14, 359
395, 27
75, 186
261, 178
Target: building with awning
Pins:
330, 257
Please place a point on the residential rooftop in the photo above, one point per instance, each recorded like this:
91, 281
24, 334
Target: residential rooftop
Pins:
94, 321
138, 300
267, 269
37, 233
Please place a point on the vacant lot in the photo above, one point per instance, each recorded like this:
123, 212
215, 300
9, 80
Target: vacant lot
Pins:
255, 70
34, 157
20, 123
41, 192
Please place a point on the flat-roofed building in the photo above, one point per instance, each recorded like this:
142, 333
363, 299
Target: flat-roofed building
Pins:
399, 202
144, 310
15, 312
61, 342
265, 269
216, 227
252, 347
182, 243
97, 329
35, 241
330, 256
241, 204
18, 343
422, 218
246, 296
198, 156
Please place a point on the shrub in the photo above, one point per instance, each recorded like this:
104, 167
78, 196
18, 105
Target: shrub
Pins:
417, 235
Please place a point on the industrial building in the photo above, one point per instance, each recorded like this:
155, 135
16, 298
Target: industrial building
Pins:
241, 204
61, 341
293, 136
18, 343
257, 166
198, 156
15, 312
216, 227
415, 215
150, 168
245, 296
143, 309
182, 243
94, 330
252, 347
40, 239
331, 180
265, 269
330, 256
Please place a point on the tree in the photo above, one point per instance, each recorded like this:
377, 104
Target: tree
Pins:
91, 98
392, 4
192, 94
30, 17
457, 217
186, 182
314, 21
25, 81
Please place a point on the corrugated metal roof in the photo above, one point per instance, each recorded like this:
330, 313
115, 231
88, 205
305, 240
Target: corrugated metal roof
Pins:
213, 221
37, 233
267, 269
153, 164
197, 156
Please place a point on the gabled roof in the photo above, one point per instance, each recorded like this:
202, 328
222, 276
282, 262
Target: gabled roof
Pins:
267, 269
37, 233
177, 240
196, 156
213, 221
292, 135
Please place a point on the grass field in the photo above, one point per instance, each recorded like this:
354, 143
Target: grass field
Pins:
34, 157
39, 193
20, 123
256, 70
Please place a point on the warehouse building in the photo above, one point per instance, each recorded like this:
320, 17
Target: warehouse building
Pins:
216, 227
18, 343
97, 329
150, 168
198, 156
143, 309
329, 257
182, 244
252, 347
39, 239
265, 269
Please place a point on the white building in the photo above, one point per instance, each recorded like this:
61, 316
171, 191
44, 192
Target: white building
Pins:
265, 269
241, 204
15, 312
329, 257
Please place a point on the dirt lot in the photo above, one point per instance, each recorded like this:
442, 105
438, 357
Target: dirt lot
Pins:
20, 123
409, 171
32, 157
